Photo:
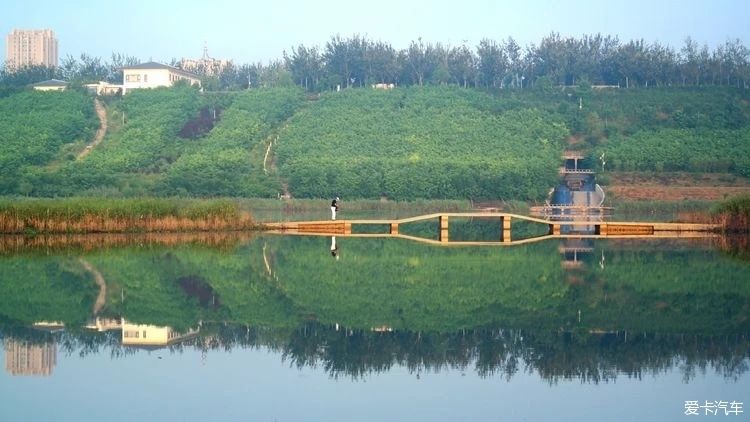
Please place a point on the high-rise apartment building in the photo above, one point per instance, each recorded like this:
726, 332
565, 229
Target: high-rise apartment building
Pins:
31, 47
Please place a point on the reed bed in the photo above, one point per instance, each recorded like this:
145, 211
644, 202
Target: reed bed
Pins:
13, 244
734, 214
120, 215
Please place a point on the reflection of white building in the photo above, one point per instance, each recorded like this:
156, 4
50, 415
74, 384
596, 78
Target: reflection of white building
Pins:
50, 326
105, 324
152, 335
155, 75
23, 358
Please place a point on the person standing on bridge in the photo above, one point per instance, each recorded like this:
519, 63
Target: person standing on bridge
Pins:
334, 208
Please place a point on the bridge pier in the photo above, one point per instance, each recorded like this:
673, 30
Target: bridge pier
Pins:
506, 228
443, 228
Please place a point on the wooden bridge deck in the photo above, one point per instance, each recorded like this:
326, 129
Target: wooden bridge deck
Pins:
609, 229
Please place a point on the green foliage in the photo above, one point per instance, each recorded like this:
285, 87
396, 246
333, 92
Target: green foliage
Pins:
734, 213
34, 128
77, 208
38, 288
407, 143
283, 282
418, 143
221, 164
739, 205
694, 150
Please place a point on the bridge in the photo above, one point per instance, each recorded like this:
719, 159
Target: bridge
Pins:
588, 229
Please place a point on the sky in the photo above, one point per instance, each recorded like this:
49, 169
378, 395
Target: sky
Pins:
260, 31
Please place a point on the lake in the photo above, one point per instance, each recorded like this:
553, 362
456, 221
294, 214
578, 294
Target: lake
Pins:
261, 327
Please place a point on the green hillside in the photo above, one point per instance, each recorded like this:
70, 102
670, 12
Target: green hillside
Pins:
406, 143
423, 143
38, 128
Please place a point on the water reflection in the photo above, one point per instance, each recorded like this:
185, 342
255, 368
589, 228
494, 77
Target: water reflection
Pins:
334, 248
24, 358
591, 357
581, 309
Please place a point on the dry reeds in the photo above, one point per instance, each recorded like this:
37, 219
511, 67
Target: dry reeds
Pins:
12, 244
120, 216
733, 214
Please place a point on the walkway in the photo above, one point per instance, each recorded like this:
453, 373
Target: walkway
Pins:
101, 112
623, 229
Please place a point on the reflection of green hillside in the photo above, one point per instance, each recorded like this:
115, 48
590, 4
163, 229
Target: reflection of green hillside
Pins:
155, 293
143, 287
657, 286
238, 277
407, 285
45, 288
282, 282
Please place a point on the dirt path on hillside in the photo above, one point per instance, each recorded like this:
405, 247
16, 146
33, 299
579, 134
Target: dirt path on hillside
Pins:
269, 159
101, 298
101, 112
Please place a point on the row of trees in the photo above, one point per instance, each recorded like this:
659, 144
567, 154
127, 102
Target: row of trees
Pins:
603, 60
359, 61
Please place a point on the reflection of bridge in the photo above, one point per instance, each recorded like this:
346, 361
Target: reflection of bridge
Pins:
597, 229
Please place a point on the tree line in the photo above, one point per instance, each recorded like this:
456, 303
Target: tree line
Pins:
357, 61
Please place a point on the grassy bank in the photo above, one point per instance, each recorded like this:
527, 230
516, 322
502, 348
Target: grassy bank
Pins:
172, 215
87, 215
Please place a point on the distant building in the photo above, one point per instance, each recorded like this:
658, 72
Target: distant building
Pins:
50, 85
103, 88
154, 75
31, 48
206, 65
23, 358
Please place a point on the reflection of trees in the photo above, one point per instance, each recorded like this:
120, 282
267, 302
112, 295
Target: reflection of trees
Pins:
555, 356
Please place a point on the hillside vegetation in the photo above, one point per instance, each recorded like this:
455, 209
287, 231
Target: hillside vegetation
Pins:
406, 143
37, 128
419, 143
146, 155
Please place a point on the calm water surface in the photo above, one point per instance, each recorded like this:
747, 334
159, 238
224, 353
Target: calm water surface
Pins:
276, 328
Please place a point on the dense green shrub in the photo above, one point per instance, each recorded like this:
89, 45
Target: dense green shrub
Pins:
34, 127
419, 143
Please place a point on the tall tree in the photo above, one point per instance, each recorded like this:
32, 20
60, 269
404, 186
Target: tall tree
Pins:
421, 59
493, 63
462, 65
305, 66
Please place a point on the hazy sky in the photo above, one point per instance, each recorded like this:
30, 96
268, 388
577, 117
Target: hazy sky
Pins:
251, 31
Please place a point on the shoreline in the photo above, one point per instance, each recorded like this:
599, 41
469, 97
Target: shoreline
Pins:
31, 216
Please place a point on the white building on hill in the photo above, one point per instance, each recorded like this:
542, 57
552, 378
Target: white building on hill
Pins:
50, 85
154, 75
